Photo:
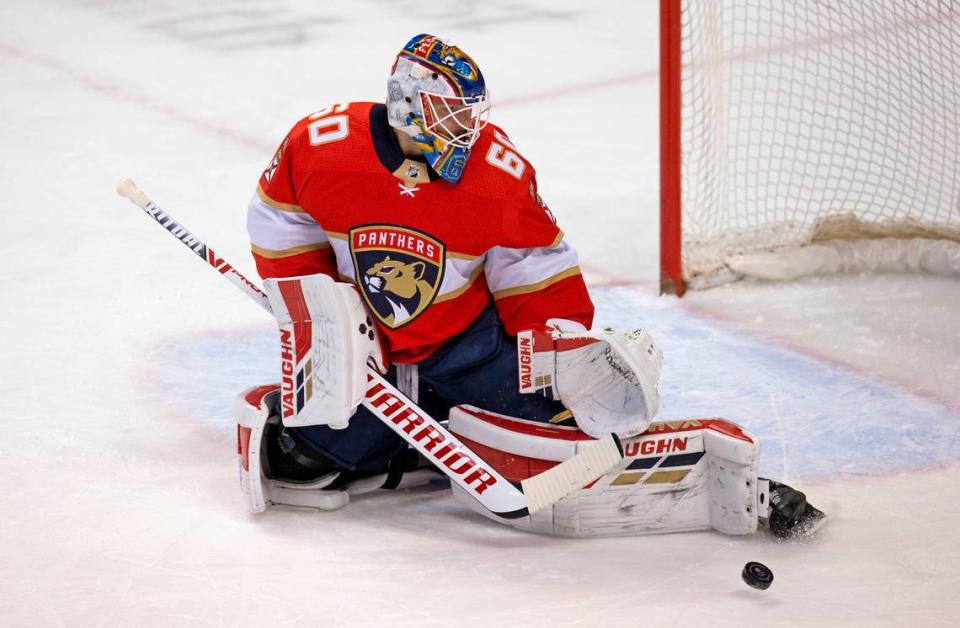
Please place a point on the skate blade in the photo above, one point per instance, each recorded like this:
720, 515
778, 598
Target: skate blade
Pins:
810, 522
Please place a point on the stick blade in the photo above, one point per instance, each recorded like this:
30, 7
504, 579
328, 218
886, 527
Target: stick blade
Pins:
570, 475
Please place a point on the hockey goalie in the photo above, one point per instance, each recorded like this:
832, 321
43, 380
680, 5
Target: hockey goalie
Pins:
411, 237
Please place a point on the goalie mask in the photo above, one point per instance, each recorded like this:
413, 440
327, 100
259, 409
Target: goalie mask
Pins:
437, 96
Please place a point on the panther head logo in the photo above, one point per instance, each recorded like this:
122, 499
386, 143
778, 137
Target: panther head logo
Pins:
399, 271
403, 285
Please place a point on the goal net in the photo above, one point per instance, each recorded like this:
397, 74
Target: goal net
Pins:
787, 124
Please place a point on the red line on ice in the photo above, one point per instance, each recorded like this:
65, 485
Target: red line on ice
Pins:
123, 93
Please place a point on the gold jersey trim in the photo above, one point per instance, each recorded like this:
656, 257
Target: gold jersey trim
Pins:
464, 256
556, 241
283, 207
456, 293
296, 250
536, 287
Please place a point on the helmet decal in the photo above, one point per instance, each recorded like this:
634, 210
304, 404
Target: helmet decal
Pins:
449, 60
437, 96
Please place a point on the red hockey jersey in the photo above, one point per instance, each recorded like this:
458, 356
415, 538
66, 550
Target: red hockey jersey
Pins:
340, 198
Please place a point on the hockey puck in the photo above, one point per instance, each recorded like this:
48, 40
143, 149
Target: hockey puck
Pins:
757, 575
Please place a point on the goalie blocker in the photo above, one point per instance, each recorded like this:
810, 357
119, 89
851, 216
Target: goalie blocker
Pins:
326, 342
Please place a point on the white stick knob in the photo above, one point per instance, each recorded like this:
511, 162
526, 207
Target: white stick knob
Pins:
129, 189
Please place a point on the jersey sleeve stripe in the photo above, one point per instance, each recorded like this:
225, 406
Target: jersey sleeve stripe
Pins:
536, 287
556, 241
284, 207
295, 250
274, 230
453, 294
510, 268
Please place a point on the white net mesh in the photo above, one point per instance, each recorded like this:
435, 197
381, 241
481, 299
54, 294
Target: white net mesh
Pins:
802, 113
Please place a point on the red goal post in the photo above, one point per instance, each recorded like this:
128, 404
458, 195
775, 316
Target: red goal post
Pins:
802, 136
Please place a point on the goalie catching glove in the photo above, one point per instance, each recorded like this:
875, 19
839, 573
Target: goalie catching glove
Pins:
607, 378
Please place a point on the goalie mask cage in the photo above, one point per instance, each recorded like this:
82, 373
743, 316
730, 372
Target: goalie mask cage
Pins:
787, 123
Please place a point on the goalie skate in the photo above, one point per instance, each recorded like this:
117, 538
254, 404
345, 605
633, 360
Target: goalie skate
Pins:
788, 516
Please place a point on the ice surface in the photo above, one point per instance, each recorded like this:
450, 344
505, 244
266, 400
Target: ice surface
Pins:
122, 353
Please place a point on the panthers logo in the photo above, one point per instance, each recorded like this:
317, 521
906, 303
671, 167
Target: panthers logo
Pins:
403, 287
398, 270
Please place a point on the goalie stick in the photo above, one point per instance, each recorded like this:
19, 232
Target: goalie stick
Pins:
424, 433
